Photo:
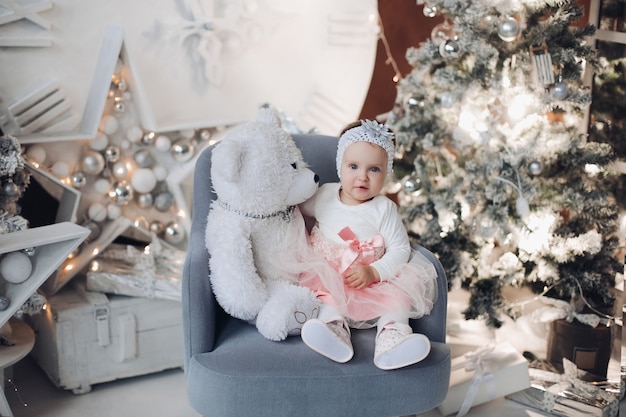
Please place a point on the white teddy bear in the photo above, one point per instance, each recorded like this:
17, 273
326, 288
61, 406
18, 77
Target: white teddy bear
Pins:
259, 177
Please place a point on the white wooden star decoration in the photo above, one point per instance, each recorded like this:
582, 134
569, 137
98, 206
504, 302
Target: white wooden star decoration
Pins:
130, 182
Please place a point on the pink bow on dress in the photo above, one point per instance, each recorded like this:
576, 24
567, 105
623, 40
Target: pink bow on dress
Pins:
366, 248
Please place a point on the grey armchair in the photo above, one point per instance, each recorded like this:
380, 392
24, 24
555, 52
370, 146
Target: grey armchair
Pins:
231, 370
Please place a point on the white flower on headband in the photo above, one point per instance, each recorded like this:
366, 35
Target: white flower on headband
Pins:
377, 129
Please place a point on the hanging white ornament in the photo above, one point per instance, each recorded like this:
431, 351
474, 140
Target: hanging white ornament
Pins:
119, 170
522, 208
447, 100
508, 29
101, 185
535, 168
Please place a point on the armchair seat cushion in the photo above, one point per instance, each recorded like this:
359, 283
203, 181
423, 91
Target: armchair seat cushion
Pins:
312, 383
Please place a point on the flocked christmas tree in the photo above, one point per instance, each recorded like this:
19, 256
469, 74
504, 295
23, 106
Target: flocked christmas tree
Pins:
496, 174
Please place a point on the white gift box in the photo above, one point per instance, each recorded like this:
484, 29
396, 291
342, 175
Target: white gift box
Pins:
483, 375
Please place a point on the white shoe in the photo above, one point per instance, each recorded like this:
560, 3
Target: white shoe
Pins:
330, 339
397, 346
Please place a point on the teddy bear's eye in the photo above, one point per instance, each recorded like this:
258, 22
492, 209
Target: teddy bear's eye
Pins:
294, 166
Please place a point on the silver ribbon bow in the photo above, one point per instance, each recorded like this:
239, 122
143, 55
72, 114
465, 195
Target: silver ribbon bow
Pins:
477, 361
563, 310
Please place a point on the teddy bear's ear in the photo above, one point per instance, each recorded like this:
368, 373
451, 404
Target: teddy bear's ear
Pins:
227, 159
268, 115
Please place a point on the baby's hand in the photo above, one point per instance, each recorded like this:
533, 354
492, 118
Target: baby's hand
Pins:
360, 277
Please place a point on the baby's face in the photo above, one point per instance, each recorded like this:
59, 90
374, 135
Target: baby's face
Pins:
363, 172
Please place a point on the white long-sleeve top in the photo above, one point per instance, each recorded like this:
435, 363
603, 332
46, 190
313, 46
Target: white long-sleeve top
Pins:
377, 216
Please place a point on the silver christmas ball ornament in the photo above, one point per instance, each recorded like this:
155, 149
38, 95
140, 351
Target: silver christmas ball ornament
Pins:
535, 168
143, 158
508, 29
430, 11
112, 154
149, 138
174, 233
32, 251
145, 200
559, 90
411, 185
449, 48
78, 180
447, 100
157, 228
163, 201
121, 193
5, 302
205, 134
92, 163
10, 189
182, 151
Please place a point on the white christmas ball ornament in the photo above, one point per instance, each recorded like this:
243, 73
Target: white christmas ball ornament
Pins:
162, 143
109, 124
16, 267
113, 211
100, 142
60, 169
134, 134
101, 186
36, 154
119, 170
143, 180
97, 212
92, 163
508, 29
160, 172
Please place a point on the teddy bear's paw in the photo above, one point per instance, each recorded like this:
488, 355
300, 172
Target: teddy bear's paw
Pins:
286, 312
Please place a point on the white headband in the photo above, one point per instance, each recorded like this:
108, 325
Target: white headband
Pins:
369, 131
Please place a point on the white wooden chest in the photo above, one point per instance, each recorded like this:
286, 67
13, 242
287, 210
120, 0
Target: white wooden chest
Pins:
85, 338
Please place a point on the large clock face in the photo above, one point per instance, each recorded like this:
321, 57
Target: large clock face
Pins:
209, 63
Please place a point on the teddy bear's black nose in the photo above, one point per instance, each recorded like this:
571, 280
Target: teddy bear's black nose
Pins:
316, 178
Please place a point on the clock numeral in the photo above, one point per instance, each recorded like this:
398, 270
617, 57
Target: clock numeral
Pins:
352, 29
322, 112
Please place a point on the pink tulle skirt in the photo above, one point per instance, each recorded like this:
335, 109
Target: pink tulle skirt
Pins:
411, 291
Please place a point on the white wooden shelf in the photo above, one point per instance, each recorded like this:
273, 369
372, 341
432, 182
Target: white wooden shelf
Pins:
53, 243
